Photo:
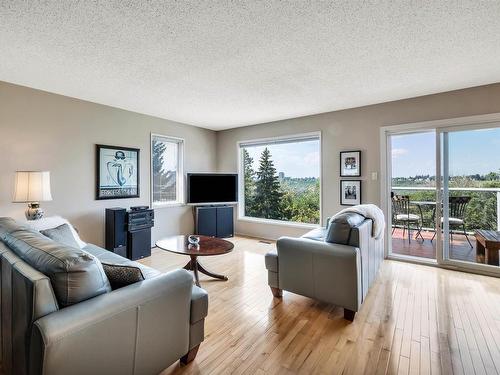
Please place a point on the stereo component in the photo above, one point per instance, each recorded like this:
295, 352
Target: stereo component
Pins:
139, 224
128, 233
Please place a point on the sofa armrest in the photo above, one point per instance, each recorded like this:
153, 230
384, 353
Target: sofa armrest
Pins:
287, 246
271, 261
199, 304
141, 328
322, 270
199, 310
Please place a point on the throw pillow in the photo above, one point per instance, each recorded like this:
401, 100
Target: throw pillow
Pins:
120, 275
61, 234
340, 226
52, 222
9, 225
75, 275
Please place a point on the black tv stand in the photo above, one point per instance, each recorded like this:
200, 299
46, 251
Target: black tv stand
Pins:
214, 221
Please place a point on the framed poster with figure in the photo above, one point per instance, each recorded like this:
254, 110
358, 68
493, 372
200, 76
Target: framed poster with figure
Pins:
350, 163
350, 192
117, 172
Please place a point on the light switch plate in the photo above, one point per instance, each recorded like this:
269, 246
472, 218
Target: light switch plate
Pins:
374, 176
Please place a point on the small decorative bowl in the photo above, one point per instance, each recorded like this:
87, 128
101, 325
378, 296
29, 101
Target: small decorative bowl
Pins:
194, 240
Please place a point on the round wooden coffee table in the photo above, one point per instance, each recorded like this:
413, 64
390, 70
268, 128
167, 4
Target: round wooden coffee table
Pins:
208, 246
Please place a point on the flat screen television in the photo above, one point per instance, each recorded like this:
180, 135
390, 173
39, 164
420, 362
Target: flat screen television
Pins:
212, 188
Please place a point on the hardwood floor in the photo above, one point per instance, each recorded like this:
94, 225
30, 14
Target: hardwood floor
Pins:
416, 319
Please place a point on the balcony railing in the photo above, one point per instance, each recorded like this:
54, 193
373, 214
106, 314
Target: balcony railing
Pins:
495, 191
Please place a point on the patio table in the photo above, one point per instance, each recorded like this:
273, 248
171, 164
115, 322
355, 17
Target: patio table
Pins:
424, 205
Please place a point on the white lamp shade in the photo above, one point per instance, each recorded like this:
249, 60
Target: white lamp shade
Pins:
32, 186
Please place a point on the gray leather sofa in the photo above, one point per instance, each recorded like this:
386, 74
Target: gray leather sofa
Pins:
141, 328
335, 264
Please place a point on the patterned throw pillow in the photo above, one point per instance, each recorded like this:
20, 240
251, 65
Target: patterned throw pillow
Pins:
120, 275
61, 234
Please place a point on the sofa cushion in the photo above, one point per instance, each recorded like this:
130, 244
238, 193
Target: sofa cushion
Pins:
61, 234
120, 275
340, 226
75, 275
106, 256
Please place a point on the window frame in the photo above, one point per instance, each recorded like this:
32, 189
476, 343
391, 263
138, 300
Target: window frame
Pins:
241, 178
180, 194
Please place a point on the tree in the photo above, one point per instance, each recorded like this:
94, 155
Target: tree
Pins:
249, 183
492, 176
268, 194
157, 166
301, 204
164, 182
158, 151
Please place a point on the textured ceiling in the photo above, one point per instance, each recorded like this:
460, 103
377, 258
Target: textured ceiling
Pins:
223, 64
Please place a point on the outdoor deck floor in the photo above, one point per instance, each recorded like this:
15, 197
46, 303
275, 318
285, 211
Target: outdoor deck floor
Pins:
459, 249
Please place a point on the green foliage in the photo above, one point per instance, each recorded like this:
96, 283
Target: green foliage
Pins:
481, 212
267, 196
301, 206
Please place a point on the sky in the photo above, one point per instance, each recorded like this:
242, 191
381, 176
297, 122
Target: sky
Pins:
471, 152
298, 159
170, 157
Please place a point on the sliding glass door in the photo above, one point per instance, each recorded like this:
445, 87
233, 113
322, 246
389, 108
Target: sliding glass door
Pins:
468, 206
442, 193
412, 194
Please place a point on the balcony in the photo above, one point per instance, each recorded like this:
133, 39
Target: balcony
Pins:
482, 212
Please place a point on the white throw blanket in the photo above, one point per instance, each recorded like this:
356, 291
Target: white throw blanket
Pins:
370, 211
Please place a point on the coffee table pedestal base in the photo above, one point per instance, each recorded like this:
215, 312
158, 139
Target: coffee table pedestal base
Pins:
195, 266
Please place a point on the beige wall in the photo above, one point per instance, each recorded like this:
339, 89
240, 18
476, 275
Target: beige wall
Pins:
43, 131
353, 129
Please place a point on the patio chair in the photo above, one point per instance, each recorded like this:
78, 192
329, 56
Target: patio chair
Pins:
401, 214
457, 209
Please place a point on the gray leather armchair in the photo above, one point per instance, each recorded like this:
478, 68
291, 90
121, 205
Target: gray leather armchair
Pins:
336, 264
139, 329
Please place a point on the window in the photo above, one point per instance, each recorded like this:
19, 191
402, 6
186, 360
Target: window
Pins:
280, 179
166, 171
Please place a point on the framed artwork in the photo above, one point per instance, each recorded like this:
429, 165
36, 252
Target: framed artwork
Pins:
350, 163
117, 172
350, 192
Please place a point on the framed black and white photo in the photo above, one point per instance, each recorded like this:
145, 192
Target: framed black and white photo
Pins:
350, 163
117, 172
350, 192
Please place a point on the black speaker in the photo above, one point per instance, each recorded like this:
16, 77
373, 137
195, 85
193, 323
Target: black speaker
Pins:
116, 230
225, 226
140, 221
206, 221
139, 244
214, 221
